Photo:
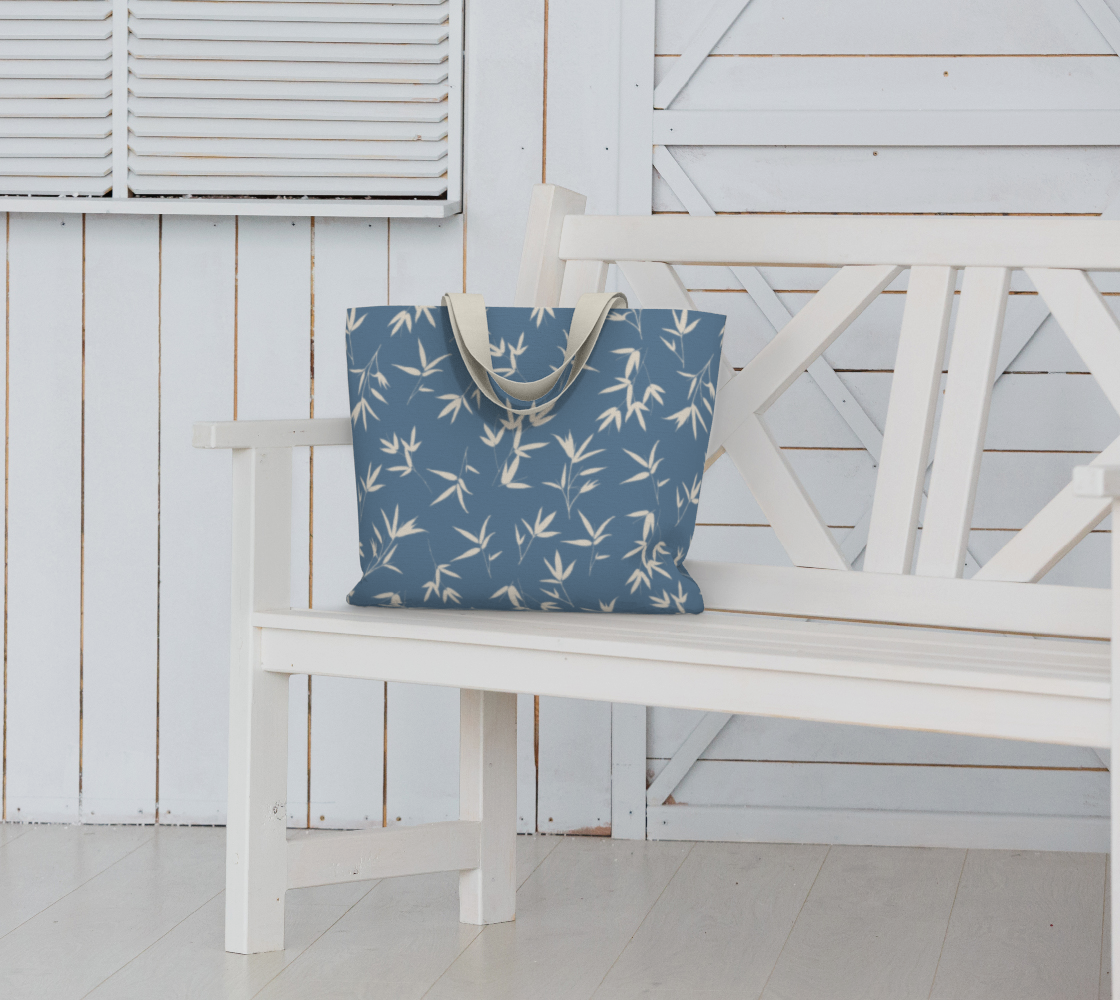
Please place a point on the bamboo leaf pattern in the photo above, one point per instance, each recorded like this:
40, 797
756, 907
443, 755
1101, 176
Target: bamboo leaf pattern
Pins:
443, 525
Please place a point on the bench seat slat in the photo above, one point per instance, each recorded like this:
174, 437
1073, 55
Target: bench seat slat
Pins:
1052, 690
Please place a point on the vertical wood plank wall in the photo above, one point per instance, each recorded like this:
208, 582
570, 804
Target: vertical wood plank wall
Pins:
122, 331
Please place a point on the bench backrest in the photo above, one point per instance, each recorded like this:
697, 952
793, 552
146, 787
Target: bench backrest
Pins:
567, 254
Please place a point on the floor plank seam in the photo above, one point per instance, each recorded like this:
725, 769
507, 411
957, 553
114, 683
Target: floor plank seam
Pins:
793, 924
97, 874
948, 921
150, 945
318, 938
541, 861
645, 917
1106, 942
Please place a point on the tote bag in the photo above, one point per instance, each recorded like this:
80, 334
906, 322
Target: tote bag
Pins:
530, 459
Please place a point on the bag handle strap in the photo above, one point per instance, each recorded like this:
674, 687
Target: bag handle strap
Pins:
467, 314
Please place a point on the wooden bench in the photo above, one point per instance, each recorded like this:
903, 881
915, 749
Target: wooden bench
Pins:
995, 655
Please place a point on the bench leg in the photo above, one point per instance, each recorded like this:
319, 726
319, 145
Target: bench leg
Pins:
257, 813
488, 794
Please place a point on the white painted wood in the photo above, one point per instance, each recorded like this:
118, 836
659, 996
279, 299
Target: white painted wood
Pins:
197, 364
1024, 925
256, 816
914, 390
952, 242
1054, 531
581, 276
628, 772
719, 18
1104, 20
44, 517
656, 285
887, 942
635, 111
38, 870
721, 897
964, 422
800, 342
422, 730
526, 764
707, 729
942, 684
73, 945
340, 208
273, 433
122, 442
1114, 775
936, 602
488, 796
192, 951
347, 726
574, 762
878, 27
360, 855
787, 507
1086, 320
542, 272
548, 950
919, 127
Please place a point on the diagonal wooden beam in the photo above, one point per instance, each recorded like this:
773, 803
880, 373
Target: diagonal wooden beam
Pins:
699, 47
1105, 21
707, 729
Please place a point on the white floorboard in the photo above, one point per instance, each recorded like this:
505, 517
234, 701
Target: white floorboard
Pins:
719, 927
871, 927
1026, 925
121, 913
576, 913
73, 945
47, 862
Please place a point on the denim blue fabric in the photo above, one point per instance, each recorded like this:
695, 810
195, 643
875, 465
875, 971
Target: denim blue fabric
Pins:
586, 503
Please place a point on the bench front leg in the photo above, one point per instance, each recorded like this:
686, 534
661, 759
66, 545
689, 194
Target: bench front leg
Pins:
257, 811
488, 795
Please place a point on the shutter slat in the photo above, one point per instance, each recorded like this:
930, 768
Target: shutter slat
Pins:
315, 72
57, 28
45, 10
276, 91
56, 89
56, 166
289, 97
55, 69
325, 187
64, 128
359, 149
420, 35
364, 111
60, 49
39, 145
260, 10
44, 108
178, 48
56, 96
248, 128
234, 166
49, 186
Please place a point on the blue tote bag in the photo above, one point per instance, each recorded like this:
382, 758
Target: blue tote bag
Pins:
530, 459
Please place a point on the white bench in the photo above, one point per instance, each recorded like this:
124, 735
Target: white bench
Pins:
804, 642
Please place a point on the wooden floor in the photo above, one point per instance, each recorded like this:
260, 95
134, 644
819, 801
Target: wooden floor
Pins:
123, 912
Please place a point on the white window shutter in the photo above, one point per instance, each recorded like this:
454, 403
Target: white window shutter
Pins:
56, 62
249, 98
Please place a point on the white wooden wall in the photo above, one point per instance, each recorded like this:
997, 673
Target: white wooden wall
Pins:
122, 331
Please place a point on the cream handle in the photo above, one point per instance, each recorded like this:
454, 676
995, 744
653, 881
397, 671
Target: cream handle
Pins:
468, 323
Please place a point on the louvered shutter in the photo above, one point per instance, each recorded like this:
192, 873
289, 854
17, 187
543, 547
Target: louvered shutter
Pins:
279, 97
56, 63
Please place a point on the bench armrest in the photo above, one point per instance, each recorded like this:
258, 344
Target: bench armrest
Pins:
272, 433
1097, 481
